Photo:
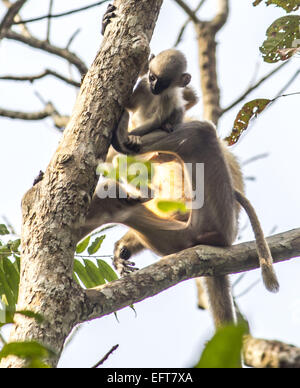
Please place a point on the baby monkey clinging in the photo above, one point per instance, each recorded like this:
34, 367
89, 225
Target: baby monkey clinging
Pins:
161, 97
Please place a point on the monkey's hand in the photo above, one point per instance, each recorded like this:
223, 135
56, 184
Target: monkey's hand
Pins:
169, 128
134, 143
109, 14
121, 260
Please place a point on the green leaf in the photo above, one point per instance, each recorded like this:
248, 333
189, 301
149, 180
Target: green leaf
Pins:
107, 272
93, 272
283, 34
172, 206
3, 230
28, 350
5, 288
30, 314
249, 110
81, 272
12, 277
287, 5
81, 247
224, 350
37, 364
96, 245
14, 245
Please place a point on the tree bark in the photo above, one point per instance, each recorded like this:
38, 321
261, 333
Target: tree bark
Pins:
188, 264
261, 353
55, 207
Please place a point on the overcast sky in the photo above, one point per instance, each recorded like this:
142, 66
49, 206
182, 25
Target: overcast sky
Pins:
168, 330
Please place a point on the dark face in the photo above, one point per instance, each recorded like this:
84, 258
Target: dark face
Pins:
158, 85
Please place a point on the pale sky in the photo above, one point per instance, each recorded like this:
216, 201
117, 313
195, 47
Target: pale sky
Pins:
169, 330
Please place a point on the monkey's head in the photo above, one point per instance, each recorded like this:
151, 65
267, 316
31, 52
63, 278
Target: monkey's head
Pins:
168, 70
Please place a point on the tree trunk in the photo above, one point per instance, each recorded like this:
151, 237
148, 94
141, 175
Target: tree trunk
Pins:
55, 207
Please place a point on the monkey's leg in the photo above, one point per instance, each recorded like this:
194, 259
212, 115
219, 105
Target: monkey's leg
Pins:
220, 300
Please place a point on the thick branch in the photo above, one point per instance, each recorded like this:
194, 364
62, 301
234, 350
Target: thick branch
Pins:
178, 40
260, 353
17, 18
191, 263
8, 19
46, 46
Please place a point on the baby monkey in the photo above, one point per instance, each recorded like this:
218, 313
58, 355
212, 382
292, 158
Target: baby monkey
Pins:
161, 97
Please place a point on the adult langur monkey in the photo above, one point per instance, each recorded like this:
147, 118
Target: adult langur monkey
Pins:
216, 223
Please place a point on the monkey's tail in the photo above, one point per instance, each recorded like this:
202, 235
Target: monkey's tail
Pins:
263, 250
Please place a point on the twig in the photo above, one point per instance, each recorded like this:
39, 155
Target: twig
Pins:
32, 78
289, 83
252, 88
255, 158
248, 289
188, 10
61, 14
105, 357
46, 46
49, 20
72, 38
186, 24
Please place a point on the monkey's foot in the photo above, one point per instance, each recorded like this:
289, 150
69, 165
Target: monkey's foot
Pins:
39, 178
134, 142
121, 262
109, 14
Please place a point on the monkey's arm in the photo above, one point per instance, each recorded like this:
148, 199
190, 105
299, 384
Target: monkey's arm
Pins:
146, 128
140, 92
190, 96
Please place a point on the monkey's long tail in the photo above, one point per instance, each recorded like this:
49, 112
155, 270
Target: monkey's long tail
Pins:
263, 250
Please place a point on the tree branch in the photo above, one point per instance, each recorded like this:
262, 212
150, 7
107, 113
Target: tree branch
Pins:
260, 353
222, 15
253, 87
55, 207
50, 16
188, 10
194, 262
179, 38
46, 46
49, 20
32, 78
8, 19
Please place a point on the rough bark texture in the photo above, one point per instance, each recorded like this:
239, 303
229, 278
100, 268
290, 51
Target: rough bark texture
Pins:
190, 263
260, 353
53, 208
